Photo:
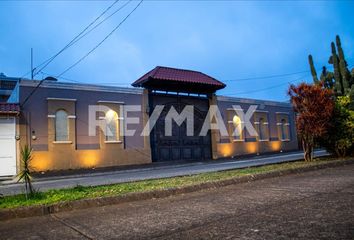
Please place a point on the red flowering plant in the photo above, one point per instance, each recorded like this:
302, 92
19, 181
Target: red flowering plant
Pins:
314, 106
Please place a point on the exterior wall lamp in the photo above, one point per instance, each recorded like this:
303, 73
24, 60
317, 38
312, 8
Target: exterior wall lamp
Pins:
34, 137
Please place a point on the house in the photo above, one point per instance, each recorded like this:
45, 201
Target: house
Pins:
62, 122
7, 84
8, 146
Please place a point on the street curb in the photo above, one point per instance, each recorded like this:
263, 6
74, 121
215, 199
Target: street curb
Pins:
41, 210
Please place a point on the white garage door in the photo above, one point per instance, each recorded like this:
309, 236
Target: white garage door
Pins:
7, 146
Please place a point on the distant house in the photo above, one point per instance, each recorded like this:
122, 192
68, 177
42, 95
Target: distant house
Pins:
7, 84
55, 121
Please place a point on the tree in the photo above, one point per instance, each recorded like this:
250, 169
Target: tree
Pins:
314, 106
26, 173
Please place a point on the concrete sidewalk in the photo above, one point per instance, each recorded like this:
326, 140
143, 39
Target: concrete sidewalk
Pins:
153, 172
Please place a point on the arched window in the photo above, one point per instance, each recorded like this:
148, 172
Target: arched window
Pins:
112, 126
284, 128
263, 129
61, 126
237, 127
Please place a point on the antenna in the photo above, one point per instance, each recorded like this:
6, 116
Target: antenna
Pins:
32, 69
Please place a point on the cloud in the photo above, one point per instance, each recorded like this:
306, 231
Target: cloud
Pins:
227, 40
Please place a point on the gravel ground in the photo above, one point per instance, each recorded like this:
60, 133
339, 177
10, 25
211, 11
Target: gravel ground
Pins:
311, 205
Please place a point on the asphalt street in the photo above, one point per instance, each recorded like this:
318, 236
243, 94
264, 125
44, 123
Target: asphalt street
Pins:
153, 172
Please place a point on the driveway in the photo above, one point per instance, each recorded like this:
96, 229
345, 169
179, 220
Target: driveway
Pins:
153, 172
312, 205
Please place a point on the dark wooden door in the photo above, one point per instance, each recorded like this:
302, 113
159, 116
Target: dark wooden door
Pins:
179, 146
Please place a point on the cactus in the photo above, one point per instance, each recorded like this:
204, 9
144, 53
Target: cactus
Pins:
313, 70
341, 80
327, 78
340, 50
343, 70
338, 87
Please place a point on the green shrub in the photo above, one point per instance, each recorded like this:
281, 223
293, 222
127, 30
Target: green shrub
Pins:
340, 136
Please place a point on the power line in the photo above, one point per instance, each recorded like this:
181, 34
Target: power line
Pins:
245, 92
266, 77
115, 83
274, 86
272, 76
39, 84
267, 88
75, 39
78, 37
100, 43
81, 82
105, 19
67, 79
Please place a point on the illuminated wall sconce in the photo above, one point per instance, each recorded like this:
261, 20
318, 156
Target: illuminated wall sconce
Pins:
34, 137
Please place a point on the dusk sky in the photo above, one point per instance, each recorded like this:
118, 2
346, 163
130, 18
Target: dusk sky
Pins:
229, 40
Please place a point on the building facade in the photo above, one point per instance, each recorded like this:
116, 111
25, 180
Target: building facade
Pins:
61, 122
7, 84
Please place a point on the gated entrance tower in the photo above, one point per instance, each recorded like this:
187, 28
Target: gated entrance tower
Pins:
177, 88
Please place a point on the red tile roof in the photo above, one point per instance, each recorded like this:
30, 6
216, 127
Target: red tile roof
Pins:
178, 75
9, 108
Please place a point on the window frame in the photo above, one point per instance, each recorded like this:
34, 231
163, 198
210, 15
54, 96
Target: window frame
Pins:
284, 130
231, 114
263, 130
283, 127
262, 125
66, 118
118, 108
117, 128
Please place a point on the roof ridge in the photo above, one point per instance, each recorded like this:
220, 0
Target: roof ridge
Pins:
177, 75
157, 69
188, 70
180, 69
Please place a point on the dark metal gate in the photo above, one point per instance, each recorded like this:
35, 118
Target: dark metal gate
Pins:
179, 146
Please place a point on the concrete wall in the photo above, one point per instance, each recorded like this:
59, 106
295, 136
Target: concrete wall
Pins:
81, 151
227, 147
37, 123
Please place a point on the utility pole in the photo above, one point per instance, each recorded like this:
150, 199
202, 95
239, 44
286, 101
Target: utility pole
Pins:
32, 69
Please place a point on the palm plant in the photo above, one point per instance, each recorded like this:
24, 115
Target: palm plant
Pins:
26, 171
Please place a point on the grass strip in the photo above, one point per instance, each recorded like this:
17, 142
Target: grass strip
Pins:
81, 192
